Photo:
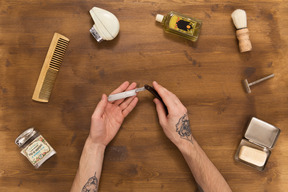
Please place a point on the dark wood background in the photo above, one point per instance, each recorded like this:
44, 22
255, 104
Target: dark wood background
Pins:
206, 76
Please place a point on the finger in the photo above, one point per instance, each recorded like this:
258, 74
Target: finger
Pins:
168, 97
99, 110
130, 87
126, 103
130, 107
160, 111
121, 88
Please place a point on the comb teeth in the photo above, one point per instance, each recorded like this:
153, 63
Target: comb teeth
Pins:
48, 84
50, 68
58, 55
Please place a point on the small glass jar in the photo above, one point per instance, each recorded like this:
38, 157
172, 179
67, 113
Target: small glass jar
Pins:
34, 147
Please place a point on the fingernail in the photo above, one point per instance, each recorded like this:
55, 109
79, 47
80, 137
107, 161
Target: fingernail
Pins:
155, 82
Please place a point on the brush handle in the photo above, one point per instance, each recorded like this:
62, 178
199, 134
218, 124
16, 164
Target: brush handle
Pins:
244, 41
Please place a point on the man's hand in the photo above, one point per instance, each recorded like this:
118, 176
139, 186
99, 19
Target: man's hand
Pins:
109, 116
106, 121
176, 125
177, 128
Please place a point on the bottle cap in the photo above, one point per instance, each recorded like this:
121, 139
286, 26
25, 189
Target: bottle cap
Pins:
159, 17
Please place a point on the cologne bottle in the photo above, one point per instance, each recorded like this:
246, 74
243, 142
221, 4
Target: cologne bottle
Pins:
181, 25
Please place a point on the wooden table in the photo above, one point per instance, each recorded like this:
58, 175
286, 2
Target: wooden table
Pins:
206, 76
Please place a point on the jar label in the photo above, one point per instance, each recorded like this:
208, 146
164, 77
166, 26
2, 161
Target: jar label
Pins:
37, 150
182, 24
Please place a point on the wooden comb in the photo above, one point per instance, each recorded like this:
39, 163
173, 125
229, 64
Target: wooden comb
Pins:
50, 68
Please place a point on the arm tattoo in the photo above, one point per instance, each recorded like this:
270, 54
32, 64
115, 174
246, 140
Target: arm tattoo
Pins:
91, 185
183, 128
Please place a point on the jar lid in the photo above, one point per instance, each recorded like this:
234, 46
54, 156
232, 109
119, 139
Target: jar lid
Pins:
25, 136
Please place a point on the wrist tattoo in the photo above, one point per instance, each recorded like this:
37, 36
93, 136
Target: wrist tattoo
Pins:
91, 185
183, 128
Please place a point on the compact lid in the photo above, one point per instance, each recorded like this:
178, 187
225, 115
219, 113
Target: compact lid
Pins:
262, 133
25, 136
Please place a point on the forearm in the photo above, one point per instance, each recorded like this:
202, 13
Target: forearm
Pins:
90, 167
203, 170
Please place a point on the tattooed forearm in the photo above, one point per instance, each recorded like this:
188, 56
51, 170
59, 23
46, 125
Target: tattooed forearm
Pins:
183, 128
91, 185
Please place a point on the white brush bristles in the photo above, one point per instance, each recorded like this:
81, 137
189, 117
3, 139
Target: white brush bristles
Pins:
239, 18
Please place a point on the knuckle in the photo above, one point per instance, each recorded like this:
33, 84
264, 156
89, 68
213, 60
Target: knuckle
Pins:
125, 105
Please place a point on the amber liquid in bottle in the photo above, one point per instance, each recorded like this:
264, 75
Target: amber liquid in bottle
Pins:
181, 25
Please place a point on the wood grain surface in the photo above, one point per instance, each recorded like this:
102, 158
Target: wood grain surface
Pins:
206, 76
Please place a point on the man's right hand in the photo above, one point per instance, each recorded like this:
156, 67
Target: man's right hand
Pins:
177, 128
176, 124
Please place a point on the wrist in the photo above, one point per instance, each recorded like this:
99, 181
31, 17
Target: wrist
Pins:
93, 146
186, 147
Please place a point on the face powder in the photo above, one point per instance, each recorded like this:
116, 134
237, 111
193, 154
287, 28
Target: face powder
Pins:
252, 155
34, 147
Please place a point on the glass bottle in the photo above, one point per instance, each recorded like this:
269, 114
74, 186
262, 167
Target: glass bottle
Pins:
184, 26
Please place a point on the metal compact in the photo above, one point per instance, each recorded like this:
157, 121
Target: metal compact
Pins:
255, 148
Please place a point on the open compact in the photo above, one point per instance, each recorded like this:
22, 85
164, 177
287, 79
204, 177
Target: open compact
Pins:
255, 148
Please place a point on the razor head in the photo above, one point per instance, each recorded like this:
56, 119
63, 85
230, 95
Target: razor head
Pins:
246, 86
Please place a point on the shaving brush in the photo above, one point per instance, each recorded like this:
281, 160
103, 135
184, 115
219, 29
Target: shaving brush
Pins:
240, 21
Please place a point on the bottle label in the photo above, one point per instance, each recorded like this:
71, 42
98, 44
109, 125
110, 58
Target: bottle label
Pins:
37, 150
182, 24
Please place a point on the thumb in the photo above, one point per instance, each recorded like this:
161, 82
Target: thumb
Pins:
98, 112
160, 111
